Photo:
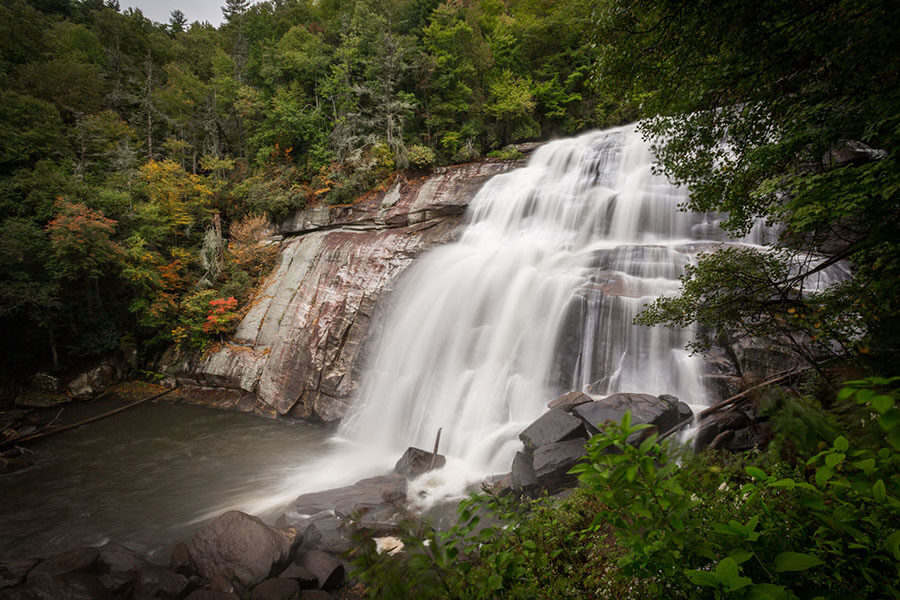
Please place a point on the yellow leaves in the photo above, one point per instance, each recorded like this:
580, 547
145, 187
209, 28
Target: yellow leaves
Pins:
179, 195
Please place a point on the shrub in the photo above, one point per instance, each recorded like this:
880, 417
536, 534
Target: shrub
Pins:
644, 526
421, 158
203, 318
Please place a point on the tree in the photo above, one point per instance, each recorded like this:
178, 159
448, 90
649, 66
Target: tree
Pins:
81, 242
177, 21
29, 294
782, 112
453, 97
234, 9
512, 104
30, 129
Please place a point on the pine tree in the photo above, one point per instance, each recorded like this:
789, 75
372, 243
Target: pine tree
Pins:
234, 9
177, 21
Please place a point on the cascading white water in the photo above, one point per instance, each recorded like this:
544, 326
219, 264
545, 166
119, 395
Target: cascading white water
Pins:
536, 298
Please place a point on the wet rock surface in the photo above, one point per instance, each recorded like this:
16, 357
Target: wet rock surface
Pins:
416, 461
644, 408
240, 548
553, 426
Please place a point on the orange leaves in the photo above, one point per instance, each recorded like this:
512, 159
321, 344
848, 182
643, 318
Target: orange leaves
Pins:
80, 238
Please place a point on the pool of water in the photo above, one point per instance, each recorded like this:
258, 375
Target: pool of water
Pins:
150, 476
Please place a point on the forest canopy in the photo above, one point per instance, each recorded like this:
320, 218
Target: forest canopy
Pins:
140, 161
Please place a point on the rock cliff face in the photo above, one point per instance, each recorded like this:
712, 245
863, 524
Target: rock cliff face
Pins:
299, 348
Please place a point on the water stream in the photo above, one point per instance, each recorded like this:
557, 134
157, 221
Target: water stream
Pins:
535, 299
150, 476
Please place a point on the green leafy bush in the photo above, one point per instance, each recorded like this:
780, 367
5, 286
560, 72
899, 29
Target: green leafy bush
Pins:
649, 522
421, 158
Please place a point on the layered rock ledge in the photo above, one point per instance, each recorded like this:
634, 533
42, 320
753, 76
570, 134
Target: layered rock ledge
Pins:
298, 349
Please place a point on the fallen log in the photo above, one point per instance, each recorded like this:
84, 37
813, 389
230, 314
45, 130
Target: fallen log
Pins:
54, 430
734, 399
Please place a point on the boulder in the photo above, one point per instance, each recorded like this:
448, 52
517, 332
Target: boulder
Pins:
328, 571
305, 579
327, 532
712, 426
67, 586
661, 413
239, 547
569, 401
91, 383
385, 489
155, 582
211, 595
45, 382
553, 426
81, 559
551, 464
118, 566
180, 560
851, 152
522, 478
684, 412
416, 461
14, 570
276, 589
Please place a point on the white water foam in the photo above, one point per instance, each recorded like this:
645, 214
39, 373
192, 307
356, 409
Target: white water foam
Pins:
536, 299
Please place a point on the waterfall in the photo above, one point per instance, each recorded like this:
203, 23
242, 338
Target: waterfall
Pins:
535, 299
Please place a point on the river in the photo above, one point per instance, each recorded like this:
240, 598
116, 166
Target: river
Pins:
150, 476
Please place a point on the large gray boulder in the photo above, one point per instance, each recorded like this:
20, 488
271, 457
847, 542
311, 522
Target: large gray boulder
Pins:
328, 571
240, 548
657, 411
522, 477
569, 401
416, 461
93, 382
553, 426
383, 489
552, 463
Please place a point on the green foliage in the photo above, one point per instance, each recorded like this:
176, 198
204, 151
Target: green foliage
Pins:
651, 522
421, 158
752, 107
507, 153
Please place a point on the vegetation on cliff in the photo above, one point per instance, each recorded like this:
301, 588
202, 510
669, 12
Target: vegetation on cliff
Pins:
139, 161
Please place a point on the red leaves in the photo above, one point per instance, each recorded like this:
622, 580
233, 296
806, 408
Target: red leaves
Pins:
221, 317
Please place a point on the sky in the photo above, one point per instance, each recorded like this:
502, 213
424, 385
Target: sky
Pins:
194, 10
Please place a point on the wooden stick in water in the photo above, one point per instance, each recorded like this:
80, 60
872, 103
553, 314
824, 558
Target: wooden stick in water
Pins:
437, 441
47, 432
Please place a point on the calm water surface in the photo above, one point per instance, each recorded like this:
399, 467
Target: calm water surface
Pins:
150, 476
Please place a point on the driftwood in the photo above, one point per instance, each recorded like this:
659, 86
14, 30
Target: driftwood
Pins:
54, 430
437, 442
736, 399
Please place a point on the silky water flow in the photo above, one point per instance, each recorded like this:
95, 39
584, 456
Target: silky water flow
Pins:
535, 299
